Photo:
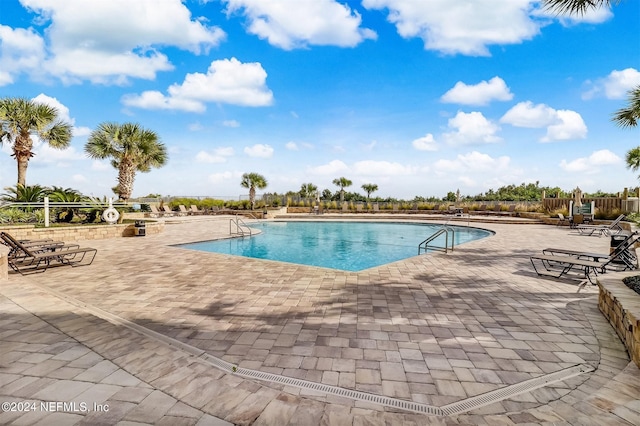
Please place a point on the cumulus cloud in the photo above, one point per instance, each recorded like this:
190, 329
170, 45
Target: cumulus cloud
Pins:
615, 85
218, 155
591, 16
381, 168
465, 27
226, 81
471, 128
590, 164
474, 161
291, 146
259, 150
560, 124
291, 25
223, 177
21, 51
109, 42
425, 143
333, 167
478, 94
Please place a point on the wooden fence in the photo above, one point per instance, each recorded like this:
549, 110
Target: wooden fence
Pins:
602, 204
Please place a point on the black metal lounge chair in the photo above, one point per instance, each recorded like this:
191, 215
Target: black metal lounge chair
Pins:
558, 263
38, 258
600, 230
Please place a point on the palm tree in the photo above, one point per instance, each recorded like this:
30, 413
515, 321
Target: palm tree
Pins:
342, 182
25, 194
629, 116
19, 119
575, 7
131, 149
369, 188
308, 190
633, 159
252, 181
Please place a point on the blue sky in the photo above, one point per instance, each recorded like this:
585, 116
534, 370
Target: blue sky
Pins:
420, 97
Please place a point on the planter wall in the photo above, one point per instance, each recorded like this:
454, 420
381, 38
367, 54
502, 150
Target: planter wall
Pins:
621, 306
76, 233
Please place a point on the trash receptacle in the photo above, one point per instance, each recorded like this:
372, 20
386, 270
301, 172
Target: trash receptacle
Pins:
616, 240
139, 228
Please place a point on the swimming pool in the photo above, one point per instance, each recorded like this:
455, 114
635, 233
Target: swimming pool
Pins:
348, 246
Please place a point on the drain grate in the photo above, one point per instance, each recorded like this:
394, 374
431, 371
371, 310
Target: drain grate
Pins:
513, 390
455, 408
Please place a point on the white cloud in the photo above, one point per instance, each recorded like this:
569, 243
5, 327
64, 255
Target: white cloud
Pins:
614, 86
195, 126
471, 128
570, 126
467, 27
63, 113
231, 123
109, 42
100, 165
590, 164
473, 161
591, 16
219, 155
525, 114
259, 150
21, 51
560, 124
478, 94
79, 178
291, 146
425, 143
223, 177
382, 168
291, 25
226, 81
332, 168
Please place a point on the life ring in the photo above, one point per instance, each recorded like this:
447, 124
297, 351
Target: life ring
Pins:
111, 215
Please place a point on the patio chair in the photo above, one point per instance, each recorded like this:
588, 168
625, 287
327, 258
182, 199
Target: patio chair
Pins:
600, 230
155, 212
563, 220
627, 255
39, 258
194, 210
167, 211
36, 246
560, 265
184, 211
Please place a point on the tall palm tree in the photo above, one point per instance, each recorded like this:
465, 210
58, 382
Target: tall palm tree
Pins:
252, 181
131, 148
629, 116
19, 119
342, 182
369, 188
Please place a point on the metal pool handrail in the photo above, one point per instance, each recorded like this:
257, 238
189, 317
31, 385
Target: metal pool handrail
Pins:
444, 230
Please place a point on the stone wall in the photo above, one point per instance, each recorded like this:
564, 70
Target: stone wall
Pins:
84, 232
621, 306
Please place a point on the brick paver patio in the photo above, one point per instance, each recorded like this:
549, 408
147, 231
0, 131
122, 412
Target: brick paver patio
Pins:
435, 329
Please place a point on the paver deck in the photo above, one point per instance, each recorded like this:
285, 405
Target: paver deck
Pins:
436, 329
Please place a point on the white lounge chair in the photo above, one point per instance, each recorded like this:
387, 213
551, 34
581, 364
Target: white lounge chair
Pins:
600, 230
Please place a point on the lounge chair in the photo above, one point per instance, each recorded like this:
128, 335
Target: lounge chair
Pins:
625, 246
563, 219
39, 258
184, 211
194, 210
167, 211
155, 212
600, 230
559, 265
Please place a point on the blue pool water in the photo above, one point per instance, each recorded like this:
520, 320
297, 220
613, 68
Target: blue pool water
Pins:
348, 246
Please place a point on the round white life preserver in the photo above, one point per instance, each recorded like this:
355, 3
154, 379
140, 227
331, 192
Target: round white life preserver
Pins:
110, 215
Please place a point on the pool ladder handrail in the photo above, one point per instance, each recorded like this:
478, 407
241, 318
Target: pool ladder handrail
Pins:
240, 227
446, 230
